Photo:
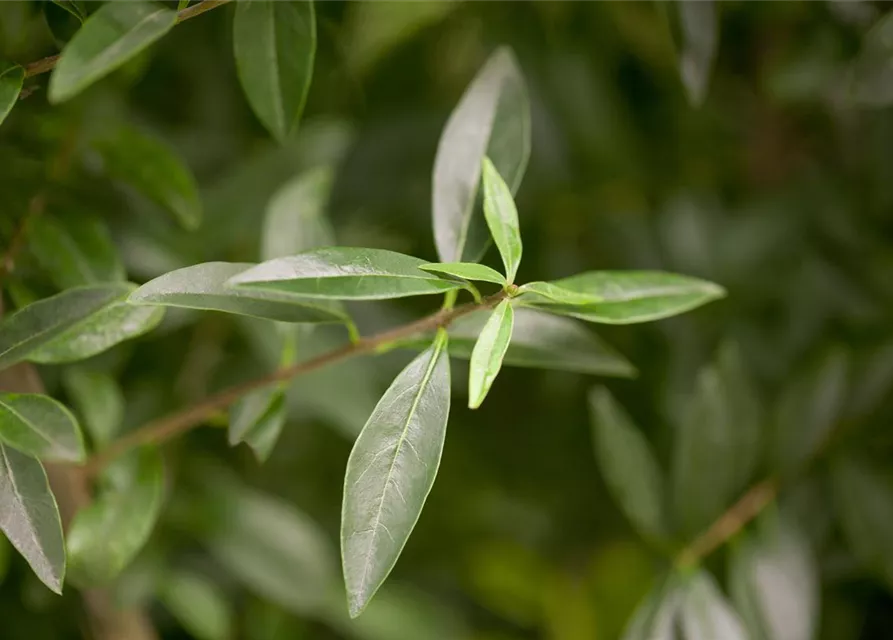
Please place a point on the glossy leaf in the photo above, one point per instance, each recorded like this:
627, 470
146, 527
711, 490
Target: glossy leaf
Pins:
154, 170
111, 36
198, 605
700, 35
492, 119
275, 45
11, 78
871, 74
105, 536
257, 419
466, 271
554, 294
628, 465
295, 220
203, 286
655, 617
502, 218
345, 273
705, 614
29, 516
489, 350
40, 427
631, 296
98, 400
75, 250
391, 471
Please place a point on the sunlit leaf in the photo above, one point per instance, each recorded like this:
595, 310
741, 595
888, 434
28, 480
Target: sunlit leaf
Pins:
198, 604
391, 471
98, 400
502, 218
492, 119
275, 45
295, 220
111, 36
29, 516
488, 352
40, 427
466, 271
346, 273
705, 614
11, 78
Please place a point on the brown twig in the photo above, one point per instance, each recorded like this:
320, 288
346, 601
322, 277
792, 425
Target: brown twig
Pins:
168, 427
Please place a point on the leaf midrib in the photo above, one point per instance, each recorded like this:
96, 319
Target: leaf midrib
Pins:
28, 423
20, 502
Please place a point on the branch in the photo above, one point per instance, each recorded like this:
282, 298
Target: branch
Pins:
45, 65
169, 427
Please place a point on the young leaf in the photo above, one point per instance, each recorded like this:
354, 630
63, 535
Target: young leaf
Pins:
655, 617
502, 218
391, 471
630, 296
29, 516
11, 78
114, 34
557, 295
199, 605
98, 400
700, 33
295, 220
40, 427
490, 348
345, 273
105, 536
257, 419
154, 170
275, 44
871, 73
74, 251
203, 286
466, 271
492, 119
630, 470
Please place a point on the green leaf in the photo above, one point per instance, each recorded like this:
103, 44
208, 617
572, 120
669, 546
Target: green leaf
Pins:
871, 74
492, 119
257, 419
863, 499
699, 28
203, 286
114, 34
74, 7
11, 78
747, 418
502, 218
774, 583
198, 605
705, 614
655, 617
295, 220
275, 45
630, 296
345, 273
557, 295
75, 250
98, 400
105, 536
466, 271
29, 516
629, 467
154, 170
391, 470
40, 427
489, 350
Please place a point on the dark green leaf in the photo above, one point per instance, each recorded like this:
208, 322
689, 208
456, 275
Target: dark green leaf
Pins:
29, 516
74, 251
492, 119
295, 220
203, 286
275, 45
346, 273
630, 470
489, 350
466, 271
98, 400
391, 471
871, 74
257, 419
11, 78
502, 218
74, 7
699, 29
154, 170
704, 613
39, 426
105, 536
199, 605
114, 34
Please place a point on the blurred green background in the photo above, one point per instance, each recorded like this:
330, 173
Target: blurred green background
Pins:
779, 187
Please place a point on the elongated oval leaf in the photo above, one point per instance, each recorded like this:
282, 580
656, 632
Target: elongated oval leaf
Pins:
466, 271
346, 273
493, 119
705, 614
98, 400
489, 350
502, 218
655, 617
154, 170
37, 324
275, 44
555, 294
40, 427
199, 605
11, 78
203, 286
699, 33
629, 467
257, 419
114, 34
29, 516
631, 296
104, 537
295, 219
391, 471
